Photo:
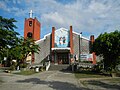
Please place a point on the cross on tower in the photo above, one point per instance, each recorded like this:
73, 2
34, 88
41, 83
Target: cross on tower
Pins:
31, 13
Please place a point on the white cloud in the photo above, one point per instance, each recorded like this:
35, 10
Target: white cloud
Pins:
54, 17
4, 6
98, 7
93, 16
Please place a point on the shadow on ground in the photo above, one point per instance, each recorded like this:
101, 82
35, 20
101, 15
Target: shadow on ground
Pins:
104, 85
57, 85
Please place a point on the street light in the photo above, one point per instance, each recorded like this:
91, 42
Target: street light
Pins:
80, 36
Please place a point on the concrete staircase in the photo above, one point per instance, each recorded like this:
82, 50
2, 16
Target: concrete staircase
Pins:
60, 67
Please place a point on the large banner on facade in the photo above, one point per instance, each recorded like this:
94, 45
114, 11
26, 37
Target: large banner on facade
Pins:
86, 57
62, 38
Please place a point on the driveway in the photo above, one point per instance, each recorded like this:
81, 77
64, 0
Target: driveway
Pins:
48, 80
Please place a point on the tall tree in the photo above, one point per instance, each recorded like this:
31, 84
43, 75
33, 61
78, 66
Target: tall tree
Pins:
21, 51
8, 37
11, 45
108, 45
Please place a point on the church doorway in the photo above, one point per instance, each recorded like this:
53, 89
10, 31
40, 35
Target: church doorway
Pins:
62, 58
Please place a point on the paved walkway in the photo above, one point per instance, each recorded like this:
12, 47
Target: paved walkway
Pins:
53, 80
48, 80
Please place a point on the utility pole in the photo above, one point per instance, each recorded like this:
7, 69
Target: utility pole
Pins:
80, 36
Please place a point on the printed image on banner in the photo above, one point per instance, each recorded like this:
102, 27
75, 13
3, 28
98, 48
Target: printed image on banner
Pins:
61, 38
86, 57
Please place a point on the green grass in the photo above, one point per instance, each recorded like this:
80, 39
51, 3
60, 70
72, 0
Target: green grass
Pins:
28, 72
88, 74
113, 80
107, 83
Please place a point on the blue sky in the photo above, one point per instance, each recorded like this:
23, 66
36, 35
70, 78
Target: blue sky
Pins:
86, 16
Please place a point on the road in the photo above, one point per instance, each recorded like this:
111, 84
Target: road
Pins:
47, 80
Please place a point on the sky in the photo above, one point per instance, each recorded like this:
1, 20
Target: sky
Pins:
91, 17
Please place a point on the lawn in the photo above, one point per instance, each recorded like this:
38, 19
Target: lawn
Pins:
97, 81
27, 72
111, 83
88, 74
113, 80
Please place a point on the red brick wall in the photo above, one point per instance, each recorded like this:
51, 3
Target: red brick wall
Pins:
34, 29
27, 28
92, 41
53, 42
53, 37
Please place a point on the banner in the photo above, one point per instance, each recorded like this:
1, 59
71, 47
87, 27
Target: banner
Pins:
86, 57
62, 38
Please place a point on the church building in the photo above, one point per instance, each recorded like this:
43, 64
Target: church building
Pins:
61, 46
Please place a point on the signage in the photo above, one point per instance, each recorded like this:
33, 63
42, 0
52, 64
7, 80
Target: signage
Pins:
86, 57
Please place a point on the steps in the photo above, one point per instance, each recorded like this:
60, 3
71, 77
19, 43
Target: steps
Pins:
59, 67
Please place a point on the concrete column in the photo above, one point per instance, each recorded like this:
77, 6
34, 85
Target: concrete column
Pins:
53, 37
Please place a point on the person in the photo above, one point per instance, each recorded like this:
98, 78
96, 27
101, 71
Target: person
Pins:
64, 39
60, 41
75, 57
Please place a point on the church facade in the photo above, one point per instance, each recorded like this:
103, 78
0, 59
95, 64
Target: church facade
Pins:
61, 46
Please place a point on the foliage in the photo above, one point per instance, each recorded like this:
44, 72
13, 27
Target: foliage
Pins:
8, 37
27, 72
23, 65
88, 74
12, 46
108, 45
25, 46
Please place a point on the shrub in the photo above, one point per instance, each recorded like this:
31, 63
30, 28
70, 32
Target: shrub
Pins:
12, 67
23, 65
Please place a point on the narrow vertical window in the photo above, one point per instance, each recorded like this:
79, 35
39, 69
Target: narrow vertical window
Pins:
30, 23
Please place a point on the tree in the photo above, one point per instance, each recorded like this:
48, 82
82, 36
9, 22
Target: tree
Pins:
8, 37
21, 51
108, 45
11, 45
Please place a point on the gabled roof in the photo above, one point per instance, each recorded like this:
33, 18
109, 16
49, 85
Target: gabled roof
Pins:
58, 30
81, 37
62, 29
43, 38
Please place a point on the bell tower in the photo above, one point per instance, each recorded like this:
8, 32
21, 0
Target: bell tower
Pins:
32, 27
32, 30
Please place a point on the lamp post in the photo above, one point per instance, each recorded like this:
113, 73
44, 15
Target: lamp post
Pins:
80, 36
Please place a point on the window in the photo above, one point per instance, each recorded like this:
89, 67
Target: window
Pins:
30, 23
29, 34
